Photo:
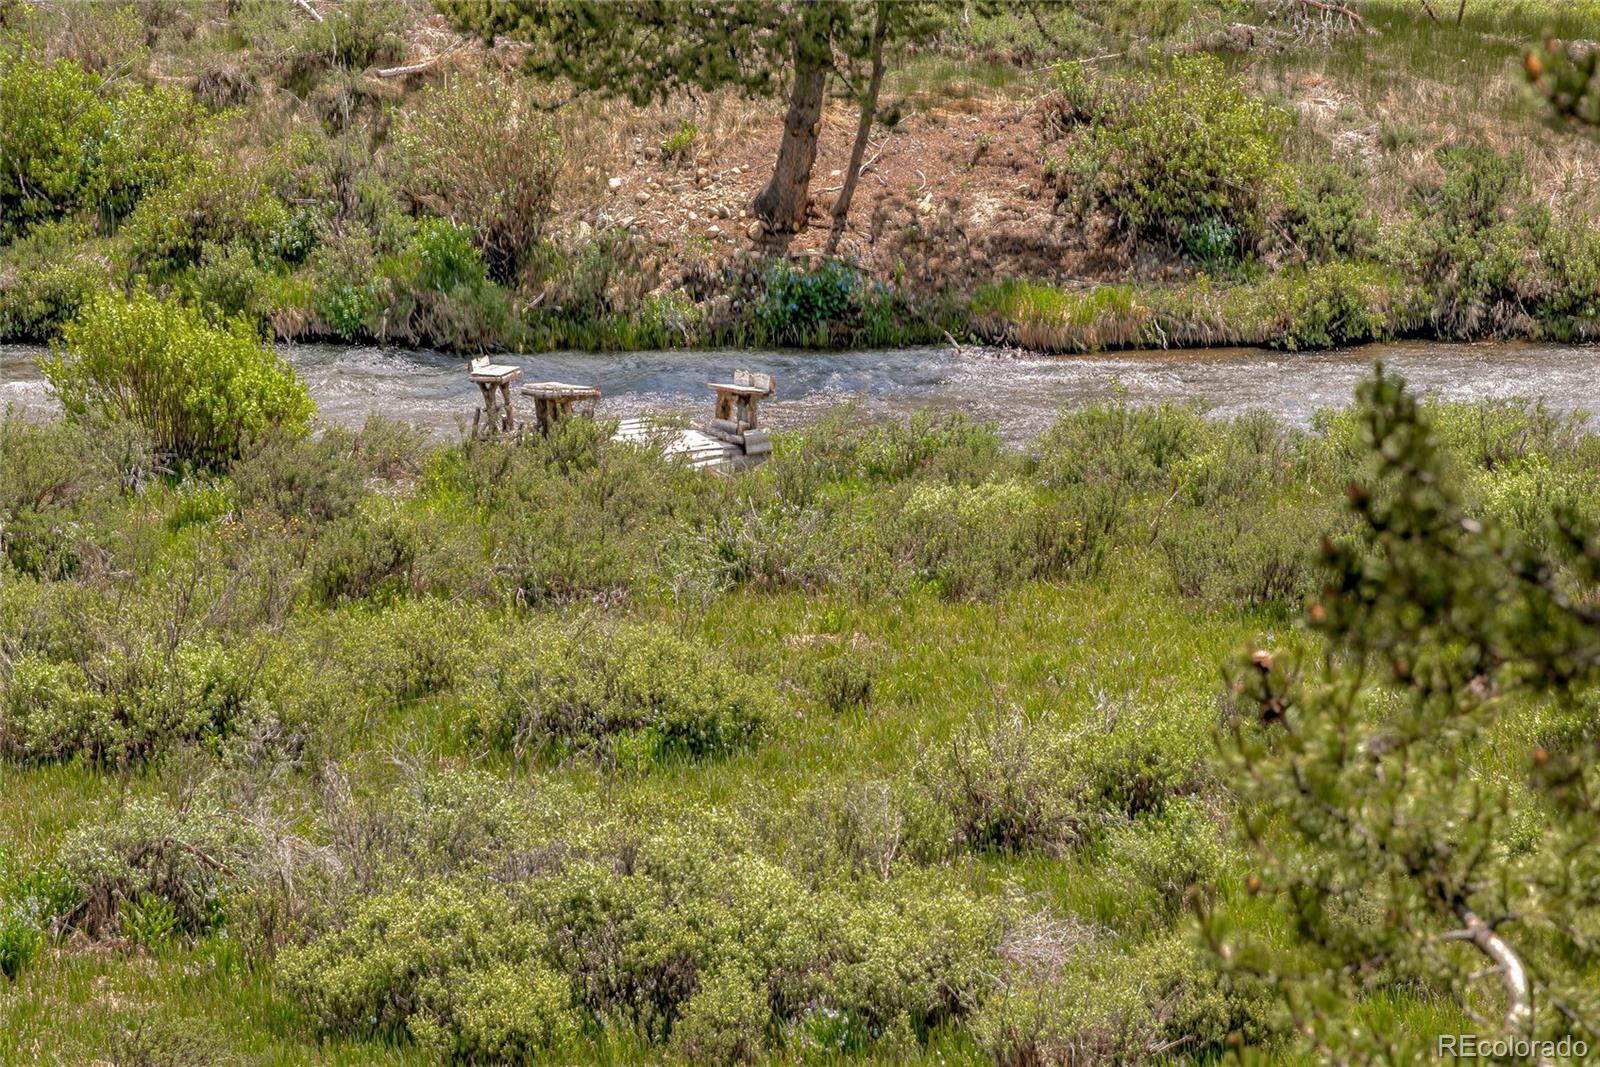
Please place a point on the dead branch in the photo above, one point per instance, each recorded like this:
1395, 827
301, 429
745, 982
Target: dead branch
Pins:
305, 5
1336, 8
1513, 973
421, 65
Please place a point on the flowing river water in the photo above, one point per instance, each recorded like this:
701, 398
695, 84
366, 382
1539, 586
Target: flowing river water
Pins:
1020, 393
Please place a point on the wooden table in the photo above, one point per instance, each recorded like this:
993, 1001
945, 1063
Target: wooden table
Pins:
494, 383
554, 400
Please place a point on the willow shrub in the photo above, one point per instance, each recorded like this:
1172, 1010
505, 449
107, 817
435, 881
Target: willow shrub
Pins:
200, 391
1184, 144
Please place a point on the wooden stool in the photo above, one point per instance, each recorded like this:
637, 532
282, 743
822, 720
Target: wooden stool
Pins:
494, 382
554, 400
738, 402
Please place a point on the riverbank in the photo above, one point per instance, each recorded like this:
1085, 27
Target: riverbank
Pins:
1024, 189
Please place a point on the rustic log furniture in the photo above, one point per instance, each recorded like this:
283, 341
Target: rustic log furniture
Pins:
553, 401
494, 380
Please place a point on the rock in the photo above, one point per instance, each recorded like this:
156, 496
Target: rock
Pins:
835, 173
700, 173
714, 231
641, 197
614, 184
756, 230
693, 217
723, 212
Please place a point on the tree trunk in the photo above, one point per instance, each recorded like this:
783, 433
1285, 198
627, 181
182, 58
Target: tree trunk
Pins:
782, 204
869, 111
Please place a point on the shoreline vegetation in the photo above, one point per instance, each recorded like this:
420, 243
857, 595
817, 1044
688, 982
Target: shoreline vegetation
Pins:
1231, 176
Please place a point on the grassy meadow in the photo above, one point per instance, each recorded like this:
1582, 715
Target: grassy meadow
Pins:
901, 747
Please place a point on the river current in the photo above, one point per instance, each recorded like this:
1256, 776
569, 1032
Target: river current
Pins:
1020, 393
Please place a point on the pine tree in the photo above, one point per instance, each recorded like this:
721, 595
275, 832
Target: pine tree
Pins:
1422, 795
1568, 76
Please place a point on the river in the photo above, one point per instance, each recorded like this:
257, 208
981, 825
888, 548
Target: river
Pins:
1021, 394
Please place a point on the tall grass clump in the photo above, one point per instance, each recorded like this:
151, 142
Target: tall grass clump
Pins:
199, 391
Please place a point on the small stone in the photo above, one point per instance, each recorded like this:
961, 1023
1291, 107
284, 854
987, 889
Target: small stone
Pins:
756, 231
615, 184
835, 173
714, 231
641, 197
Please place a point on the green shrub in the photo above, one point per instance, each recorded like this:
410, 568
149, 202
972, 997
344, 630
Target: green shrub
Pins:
51, 471
46, 277
1102, 1006
1321, 306
400, 958
1011, 782
680, 142
1326, 215
21, 933
441, 293
408, 650
1002, 780
150, 143
844, 680
198, 390
215, 202
1158, 860
1248, 554
1132, 450
53, 120
1183, 144
1466, 243
443, 824
572, 516
484, 155
153, 868
365, 557
598, 688
798, 307
228, 282
979, 541
289, 477
725, 1021
504, 1013
124, 703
